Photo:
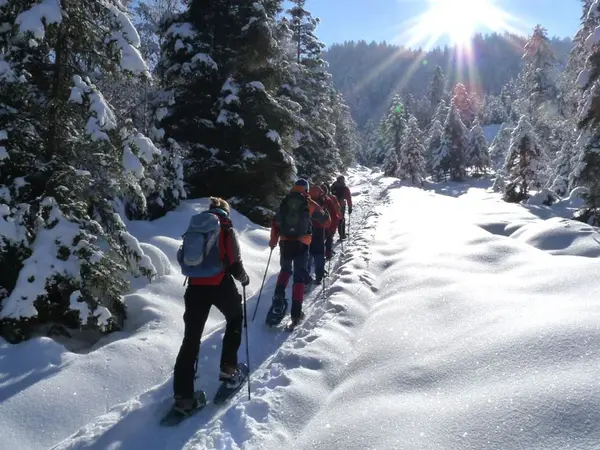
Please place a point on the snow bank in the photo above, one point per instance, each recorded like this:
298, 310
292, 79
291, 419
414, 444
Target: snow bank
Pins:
561, 237
475, 341
48, 392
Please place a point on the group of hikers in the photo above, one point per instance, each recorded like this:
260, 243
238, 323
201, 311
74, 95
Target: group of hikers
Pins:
304, 227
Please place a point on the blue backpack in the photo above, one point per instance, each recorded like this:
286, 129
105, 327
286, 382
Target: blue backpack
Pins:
199, 256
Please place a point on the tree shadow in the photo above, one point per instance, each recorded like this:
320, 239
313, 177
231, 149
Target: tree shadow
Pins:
458, 188
33, 361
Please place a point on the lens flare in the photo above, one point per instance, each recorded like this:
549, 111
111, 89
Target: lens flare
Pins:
457, 20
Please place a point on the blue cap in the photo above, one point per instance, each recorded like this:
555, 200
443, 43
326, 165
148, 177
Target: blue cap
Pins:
302, 182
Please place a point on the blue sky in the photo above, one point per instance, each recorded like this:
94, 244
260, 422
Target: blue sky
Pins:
382, 19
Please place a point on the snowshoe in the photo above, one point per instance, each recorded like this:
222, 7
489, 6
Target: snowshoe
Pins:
184, 408
277, 312
231, 386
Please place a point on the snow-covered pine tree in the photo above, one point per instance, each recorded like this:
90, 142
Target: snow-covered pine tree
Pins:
346, 138
309, 85
477, 152
366, 153
432, 144
437, 89
148, 16
524, 163
565, 162
463, 102
569, 87
441, 112
540, 75
222, 107
395, 125
500, 145
379, 148
493, 110
411, 165
449, 158
586, 172
68, 166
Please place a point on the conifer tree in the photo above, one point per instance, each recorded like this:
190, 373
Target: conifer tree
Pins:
411, 165
500, 146
222, 103
449, 158
586, 171
437, 89
565, 161
69, 165
477, 152
539, 74
463, 102
394, 127
432, 144
524, 163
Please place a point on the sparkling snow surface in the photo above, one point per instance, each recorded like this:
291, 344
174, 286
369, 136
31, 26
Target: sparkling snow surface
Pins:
452, 320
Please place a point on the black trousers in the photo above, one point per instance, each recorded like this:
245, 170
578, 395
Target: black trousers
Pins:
342, 224
198, 301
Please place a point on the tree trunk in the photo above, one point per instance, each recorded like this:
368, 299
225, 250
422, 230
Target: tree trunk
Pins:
59, 85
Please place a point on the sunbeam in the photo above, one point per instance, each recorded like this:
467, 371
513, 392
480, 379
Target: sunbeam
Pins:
457, 20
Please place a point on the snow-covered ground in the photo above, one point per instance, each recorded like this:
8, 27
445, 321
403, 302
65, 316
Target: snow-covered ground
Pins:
452, 320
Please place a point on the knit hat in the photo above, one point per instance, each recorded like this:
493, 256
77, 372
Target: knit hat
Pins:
303, 183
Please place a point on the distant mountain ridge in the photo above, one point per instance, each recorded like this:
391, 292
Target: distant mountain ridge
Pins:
369, 74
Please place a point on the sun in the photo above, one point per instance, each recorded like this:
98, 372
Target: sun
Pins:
457, 20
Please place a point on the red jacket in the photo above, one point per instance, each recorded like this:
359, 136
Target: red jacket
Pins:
342, 193
335, 212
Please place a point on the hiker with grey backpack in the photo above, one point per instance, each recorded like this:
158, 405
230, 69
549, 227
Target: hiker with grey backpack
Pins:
210, 259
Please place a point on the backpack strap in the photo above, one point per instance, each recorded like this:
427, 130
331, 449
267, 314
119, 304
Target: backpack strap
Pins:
223, 237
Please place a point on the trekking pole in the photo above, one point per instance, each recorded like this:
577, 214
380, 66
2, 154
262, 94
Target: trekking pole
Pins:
262, 285
247, 341
349, 217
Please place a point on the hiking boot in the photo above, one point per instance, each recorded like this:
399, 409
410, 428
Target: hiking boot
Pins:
309, 281
231, 376
296, 320
318, 280
296, 312
186, 405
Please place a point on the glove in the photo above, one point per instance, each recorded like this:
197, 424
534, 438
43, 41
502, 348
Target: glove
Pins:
245, 280
349, 210
273, 243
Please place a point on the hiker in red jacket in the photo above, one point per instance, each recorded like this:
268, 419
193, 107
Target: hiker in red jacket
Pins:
335, 212
292, 229
342, 193
210, 283
319, 231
